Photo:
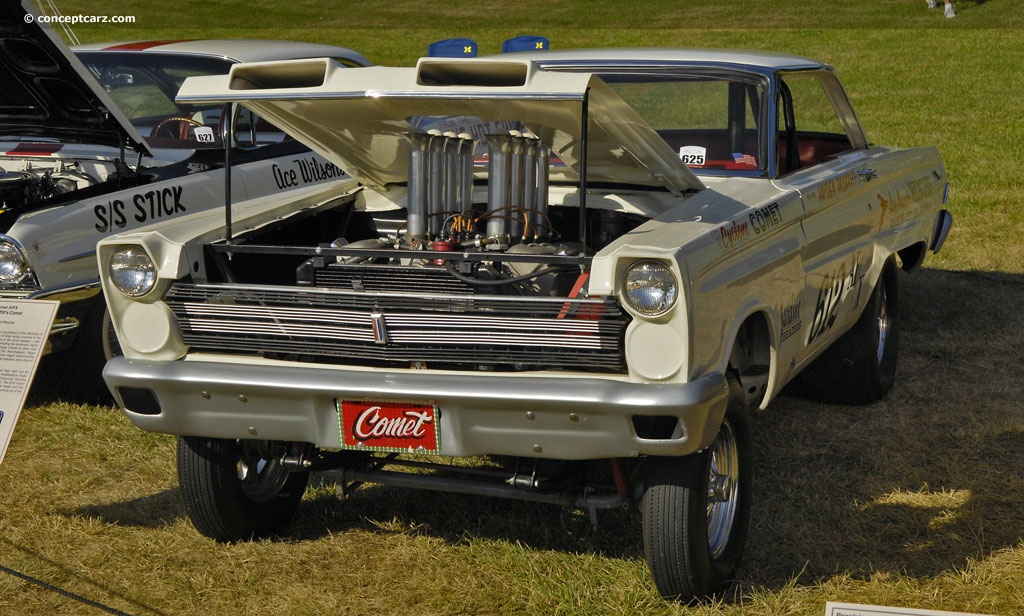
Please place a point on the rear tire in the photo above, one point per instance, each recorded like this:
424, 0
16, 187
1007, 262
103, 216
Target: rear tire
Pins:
696, 509
860, 367
237, 490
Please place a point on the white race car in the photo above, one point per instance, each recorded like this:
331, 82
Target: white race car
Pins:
93, 143
590, 266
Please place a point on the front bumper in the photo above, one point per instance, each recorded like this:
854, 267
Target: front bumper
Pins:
556, 416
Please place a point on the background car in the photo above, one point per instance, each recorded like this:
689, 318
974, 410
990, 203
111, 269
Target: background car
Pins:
588, 266
92, 143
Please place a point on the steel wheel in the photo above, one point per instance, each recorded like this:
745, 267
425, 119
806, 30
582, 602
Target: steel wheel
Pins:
723, 490
883, 325
261, 475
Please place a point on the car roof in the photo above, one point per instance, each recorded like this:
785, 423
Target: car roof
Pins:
736, 58
235, 50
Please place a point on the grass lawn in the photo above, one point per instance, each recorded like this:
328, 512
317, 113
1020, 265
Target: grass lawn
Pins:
917, 501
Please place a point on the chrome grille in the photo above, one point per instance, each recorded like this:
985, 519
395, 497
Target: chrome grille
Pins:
379, 328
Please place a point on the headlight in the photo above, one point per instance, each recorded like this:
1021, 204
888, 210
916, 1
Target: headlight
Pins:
131, 271
650, 287
12, 263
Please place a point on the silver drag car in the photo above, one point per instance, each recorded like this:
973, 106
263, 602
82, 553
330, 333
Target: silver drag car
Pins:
92, 143
587, 266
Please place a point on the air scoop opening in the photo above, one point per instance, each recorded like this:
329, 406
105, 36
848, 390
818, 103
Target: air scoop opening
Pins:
472, 73
280, 75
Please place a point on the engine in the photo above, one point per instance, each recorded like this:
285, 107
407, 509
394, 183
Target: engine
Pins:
20, 189
33, 185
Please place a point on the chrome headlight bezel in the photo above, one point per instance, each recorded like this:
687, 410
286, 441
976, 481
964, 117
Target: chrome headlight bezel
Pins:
14, 268
650, 287
132, 271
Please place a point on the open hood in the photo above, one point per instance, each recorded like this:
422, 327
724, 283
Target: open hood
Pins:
47, 93
361, 118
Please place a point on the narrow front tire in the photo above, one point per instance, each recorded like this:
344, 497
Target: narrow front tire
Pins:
696, 510
237, 490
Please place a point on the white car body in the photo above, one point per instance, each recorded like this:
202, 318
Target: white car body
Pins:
98, 170
711, 261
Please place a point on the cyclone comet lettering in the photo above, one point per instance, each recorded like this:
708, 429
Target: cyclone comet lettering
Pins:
369, 425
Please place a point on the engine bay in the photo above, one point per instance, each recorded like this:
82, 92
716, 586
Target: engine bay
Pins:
466, 232
30, 183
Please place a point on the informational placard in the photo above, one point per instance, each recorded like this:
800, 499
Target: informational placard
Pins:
850, 609
24, 326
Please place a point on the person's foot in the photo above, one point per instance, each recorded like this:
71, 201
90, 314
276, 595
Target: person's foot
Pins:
950, 11
931, 4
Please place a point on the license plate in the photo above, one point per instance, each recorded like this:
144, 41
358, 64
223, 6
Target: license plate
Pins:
389, 426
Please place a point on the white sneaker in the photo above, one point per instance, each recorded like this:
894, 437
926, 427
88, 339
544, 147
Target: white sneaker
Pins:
950, 12
931, 4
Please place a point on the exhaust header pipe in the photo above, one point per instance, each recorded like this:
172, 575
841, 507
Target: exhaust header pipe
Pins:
440, 181
441, 184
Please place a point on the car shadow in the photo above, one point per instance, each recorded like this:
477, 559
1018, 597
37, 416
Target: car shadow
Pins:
49, 385
455, 519
925, 482
152, 511
460, 519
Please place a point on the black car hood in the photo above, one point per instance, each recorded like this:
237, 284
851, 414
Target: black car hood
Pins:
46, 92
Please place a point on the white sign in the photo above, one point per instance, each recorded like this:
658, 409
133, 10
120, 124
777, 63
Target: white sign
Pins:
850, 609
24, 326
204, 134
693, 155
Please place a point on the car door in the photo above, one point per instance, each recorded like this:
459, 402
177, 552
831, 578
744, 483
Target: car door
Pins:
845, 186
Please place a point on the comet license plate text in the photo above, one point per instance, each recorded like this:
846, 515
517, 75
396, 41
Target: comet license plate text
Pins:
389, 426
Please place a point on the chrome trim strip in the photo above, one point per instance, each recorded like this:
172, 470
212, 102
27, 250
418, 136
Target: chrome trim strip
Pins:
70, 293
84, 255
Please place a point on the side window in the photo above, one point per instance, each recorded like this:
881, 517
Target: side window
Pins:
135, 93
810, 130
250, 130
244, 129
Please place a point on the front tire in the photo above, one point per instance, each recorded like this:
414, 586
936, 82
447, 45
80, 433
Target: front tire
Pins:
696, 509
237, 490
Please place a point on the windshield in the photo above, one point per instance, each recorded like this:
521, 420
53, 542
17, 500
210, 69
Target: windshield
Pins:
711, 121
143, 85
